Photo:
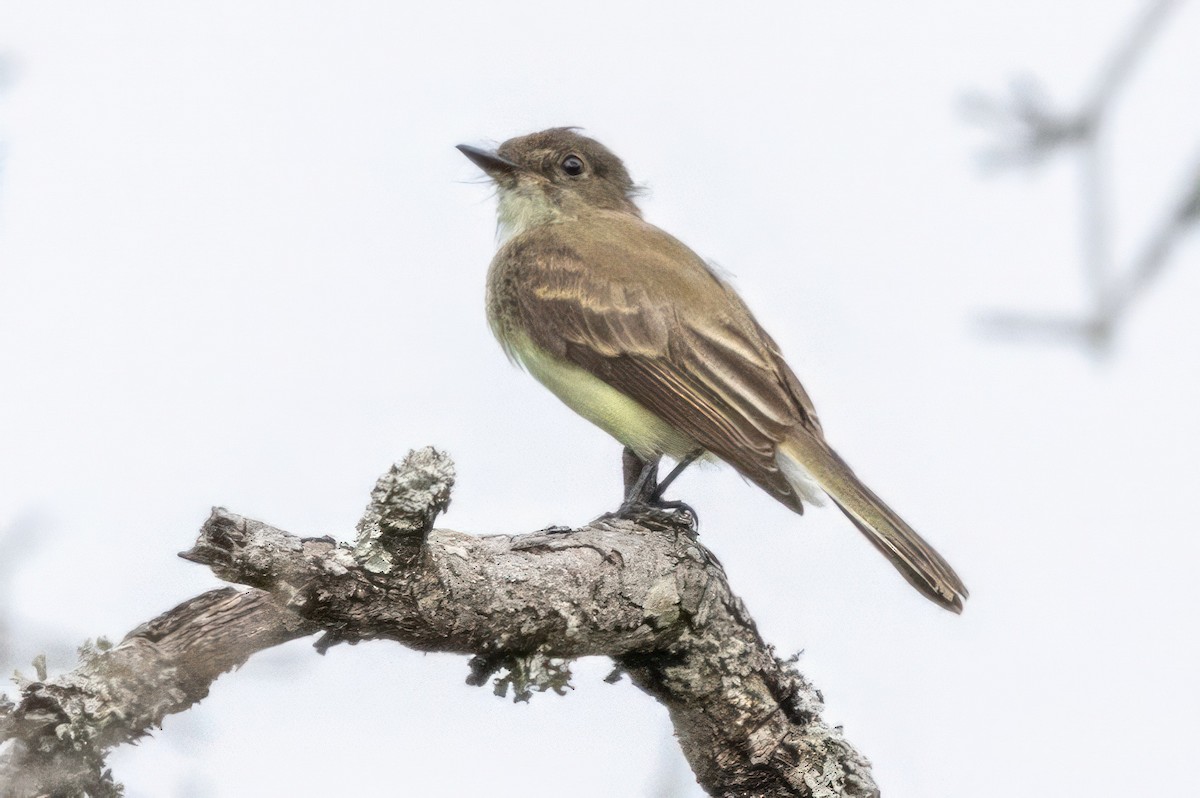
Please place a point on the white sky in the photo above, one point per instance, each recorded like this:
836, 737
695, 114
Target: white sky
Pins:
242, 264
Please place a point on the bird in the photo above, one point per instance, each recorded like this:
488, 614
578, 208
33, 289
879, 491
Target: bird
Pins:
641, 336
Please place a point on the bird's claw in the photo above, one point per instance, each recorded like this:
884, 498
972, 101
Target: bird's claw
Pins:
662, 512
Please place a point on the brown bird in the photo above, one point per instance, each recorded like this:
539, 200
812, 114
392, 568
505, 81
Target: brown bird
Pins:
637, 334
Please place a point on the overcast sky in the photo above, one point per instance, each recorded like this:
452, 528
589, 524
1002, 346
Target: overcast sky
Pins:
241, 264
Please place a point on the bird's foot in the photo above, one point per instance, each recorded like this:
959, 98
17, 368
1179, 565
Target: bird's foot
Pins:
657, 511
644, 493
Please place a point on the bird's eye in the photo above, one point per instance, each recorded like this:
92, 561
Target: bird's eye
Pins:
572, 165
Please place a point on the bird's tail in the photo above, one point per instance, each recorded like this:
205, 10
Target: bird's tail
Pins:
806, 459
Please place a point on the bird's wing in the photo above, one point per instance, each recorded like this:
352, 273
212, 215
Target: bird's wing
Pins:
656, 324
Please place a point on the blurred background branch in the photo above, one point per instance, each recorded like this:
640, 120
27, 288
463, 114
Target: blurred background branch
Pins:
8, 76
1029, 130
20, 540
11, 537
8, 71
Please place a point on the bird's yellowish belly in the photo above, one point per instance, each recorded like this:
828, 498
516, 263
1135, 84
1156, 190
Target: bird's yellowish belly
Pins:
620, 416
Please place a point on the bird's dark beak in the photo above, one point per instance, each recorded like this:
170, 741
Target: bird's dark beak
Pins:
489, 162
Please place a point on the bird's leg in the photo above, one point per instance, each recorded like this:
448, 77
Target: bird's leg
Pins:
656, 497
641, 479
643, 492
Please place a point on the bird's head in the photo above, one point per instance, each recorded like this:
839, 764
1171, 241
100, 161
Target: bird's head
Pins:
557, 173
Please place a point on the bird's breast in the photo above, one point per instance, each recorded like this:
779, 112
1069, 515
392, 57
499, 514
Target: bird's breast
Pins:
617, 414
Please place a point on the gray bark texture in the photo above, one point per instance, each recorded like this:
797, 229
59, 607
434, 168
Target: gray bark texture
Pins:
641, 591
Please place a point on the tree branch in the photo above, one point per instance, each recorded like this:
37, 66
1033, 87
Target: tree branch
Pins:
60, 732
645, 593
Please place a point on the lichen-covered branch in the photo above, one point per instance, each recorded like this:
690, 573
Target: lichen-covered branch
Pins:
60, 731
644, 592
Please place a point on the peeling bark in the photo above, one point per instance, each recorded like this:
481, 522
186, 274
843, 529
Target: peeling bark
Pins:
644, 592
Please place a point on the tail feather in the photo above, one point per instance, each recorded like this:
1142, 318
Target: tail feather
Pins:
805, 455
